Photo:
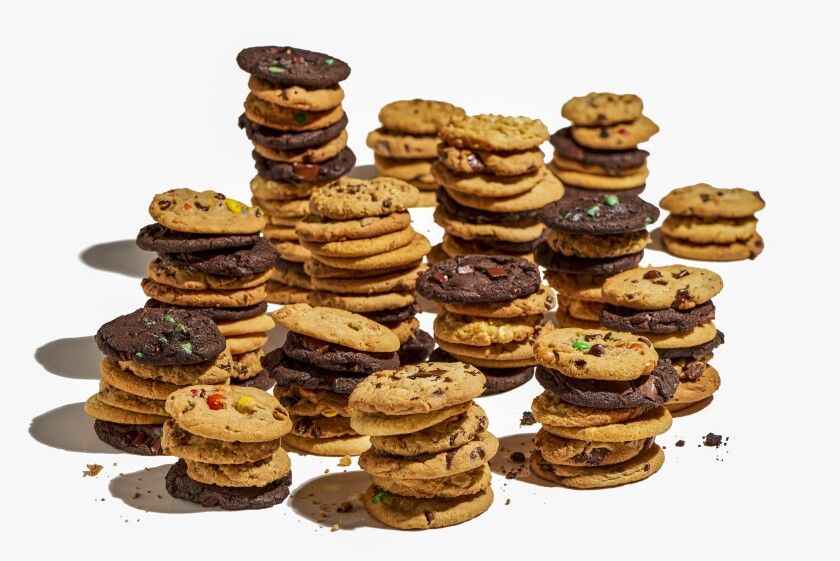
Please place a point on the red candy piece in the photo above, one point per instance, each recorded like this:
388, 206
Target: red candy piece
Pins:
216, 401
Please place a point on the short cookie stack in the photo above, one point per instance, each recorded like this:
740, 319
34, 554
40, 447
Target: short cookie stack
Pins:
599, 151
493, 182
366, 256
327, 352
590, 238
602, 408
672, 307
406, 145
211, 259
149, 354
228, 442
294, 118
430, 447
492, 308
712, 224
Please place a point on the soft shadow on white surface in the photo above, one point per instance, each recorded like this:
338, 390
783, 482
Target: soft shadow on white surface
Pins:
318, 499
122, 257
146, 490
68, 428
502, 463
656, 241
71, 357
696, 408
367, 171
276, 338
427, 305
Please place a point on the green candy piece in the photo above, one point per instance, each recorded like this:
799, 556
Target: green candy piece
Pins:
180, 328
329, 62
168, 319
567, 216
593, 212
379, 496
610, 200
648, 220
581, 345
276, 69
301, 116
138, 354
187, 347
610, 336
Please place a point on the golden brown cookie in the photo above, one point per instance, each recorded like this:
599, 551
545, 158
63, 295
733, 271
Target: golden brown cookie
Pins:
305, 402
691, 392
348, 198
247, 365
249, 474
682, 339
417, 116
203, 298
709, 230
553, 413
291, 251
337, 326
652, 423
589, 246
267, 189
520, 231
580, 287
410, 513
183, 444
484, 184
246, 342
541, 301
403, 280
297, 97
570, 452
381, 424
602, 108
127, 381
481, 332
291, 278
635, 469
401, 257
736, 251
214, 371
319, 426
206, 212
601, 182
317, 269
282, 293
341, 446
276, 233
659, 288
170, 275
104, 412
446, 435
255, 324
361, 247
115, 397
361, 303
494, 132
315, 228
616, 137
465, 160
296, 208
456, 485
395, 145
705, 201
402, 168
547, 190
288, 118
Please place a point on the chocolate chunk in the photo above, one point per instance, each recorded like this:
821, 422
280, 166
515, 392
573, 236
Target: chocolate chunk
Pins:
527, 419
712, 439
517, 457
521, 278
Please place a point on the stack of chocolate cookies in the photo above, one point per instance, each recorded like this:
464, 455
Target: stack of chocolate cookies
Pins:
294, 118
672, 307
327, 352
603, 406
227, 440
491, 309
149, 354
712, 224
405, 145
366, 256
429, 445
493, 182
212, 259
590, 238
599, 151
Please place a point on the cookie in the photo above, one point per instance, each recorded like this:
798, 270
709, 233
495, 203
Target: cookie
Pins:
498, 380
380, 424
597, 246
159, 238
513, 351
465, 160
396, 314
565, 319
579, 287
291, 279
449, 434
290, 140
599, 215
209, 298
206, 212
291, 251
547, 190
571, 191
322, 427
554, 413
699, 335
337, 326
361, 247
614, 137
704, 201
409, 513
317, 269
283, 294
602, 108
494, 132
635, 469
657, 288
127, 381
287, 118
652, 423
326, 170
473, 279
400, 281
613, 162
247, 365
305, 402
489, 246
360, 303
692, 352
316, 228
142, 440
710, 229
395, 145
215, 371
293, 95
517, 232
656, 321
290, 65
332, 356
568, 452
479, 216
183, 444
600, 182
321, 153
97, 409
419, 170
692, 392
234, 262
457, 485
246, 343
398, 258
115, 397
341, 446
417, 116
538, 302
553, 261
281, 191
478, 331
164, 273
261, 381
350, 198
736, 251
288, 372
580, 309
417, 348
561, 164
485, 184
404, 330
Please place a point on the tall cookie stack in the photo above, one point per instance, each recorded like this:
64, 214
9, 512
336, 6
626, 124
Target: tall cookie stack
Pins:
712, 224
672, 307
405, 145
492, 308
366, 256
599, 151
227, 440
602, 408
327, 352
150, 353
590, 238
429, 445
211, 259
493, 183
294, 118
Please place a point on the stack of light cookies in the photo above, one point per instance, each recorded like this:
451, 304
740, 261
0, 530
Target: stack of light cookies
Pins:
591, 237
212, 259
493, 182
430, 447
672, 307
150, 353
227, 440
602, 408
294, 118
366, 256
712, 224
405, 145
492, 308
327, 353
599, 151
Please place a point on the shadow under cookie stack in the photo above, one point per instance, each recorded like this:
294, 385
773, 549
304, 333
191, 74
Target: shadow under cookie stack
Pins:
602, 408
405, 146
429, 445
211, 259
295, 120
493, 181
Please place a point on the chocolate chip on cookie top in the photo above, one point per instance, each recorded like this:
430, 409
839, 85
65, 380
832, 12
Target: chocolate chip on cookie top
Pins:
601, 214
290, 65
602, 108
417, 116
658, 288
703, 200
161, 336
205, 212
494, 132
479, 278
348, 198
337, 326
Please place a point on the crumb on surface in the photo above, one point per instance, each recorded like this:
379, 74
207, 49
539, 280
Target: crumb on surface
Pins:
527, 419
680, 443
92, 470
712, 439
346, 506
327, 470
335, 527
135, 495
517, 457
344, 461
507, 502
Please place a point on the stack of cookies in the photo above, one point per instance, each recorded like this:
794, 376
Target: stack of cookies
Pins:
492, 307
405, 145
672, 307
227, 440
327, 352
294, 118
712, 224
429, 445
599, 151
212, 259
602, 407
591, 237
149, 354
366, 256
493, 182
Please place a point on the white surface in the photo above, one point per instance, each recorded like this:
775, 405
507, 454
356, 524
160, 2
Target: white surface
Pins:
104, 105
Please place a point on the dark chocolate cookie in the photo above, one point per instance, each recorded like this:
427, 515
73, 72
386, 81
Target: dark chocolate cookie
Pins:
327, 355
216, 314
570, 191
289, 372
478, 216
161, 336
599, 214
235, 262
395, 315
651, 390
293, 66
285, 172
479, 278
156, 237
656, 321
289, 140
489, 243
143, 440
498, 379
181, 486
613, 161
692, 352
416, 349
262, 381
554, 261
287, 265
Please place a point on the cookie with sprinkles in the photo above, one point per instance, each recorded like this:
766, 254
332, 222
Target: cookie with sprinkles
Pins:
290, 65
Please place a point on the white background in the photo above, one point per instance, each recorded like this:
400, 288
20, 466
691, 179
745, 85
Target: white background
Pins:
104, 105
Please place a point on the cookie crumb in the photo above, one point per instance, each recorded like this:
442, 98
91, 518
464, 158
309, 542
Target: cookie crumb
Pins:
679, 443
517, 457
712, 439
346, 506
135, 495
92, 470
527, 419
344, 461
327, 470
510, 475
335, 528
507, 502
